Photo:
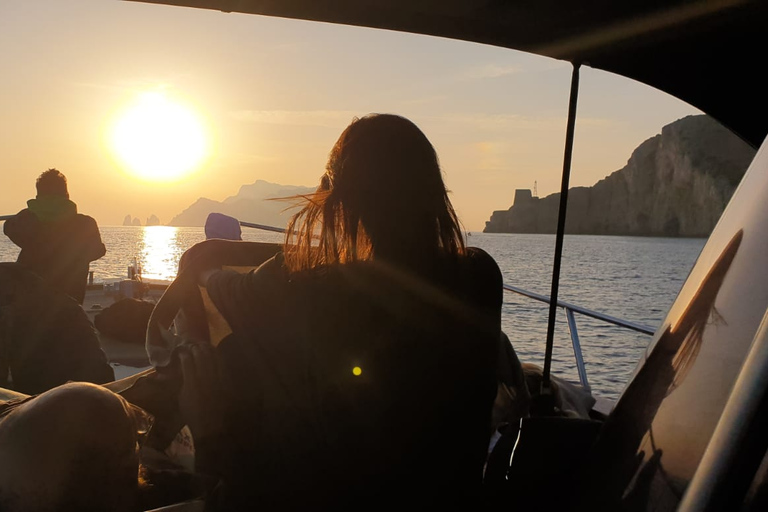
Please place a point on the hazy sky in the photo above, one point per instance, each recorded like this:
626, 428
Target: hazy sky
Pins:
274, 95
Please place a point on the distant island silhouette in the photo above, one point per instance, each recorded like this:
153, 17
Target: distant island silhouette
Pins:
131, 221
135, 221
675, 184
251, 204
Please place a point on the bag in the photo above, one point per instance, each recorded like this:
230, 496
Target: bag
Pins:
126, 320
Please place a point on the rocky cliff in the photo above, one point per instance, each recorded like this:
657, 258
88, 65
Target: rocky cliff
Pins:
674, 184
128, 221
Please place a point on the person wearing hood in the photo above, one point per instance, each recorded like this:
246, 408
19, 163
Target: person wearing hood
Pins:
56, 242
218, 225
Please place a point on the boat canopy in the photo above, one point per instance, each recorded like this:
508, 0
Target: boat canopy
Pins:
707, 53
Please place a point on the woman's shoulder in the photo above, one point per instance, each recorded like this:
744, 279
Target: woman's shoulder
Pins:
480, 261
473, 271
478, 254
483, 273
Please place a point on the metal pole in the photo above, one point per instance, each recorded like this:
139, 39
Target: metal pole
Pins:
576, 344
546, 385
266, 228
261, 226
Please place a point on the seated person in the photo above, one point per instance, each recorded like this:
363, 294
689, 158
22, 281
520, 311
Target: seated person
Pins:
218, 225
361, 368
83, 447
74, 447
46, 337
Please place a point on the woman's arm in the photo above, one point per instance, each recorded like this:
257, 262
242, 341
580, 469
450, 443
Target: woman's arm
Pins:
205, 276
241, 297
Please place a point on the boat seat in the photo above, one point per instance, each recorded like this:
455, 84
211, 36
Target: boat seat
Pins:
532, 459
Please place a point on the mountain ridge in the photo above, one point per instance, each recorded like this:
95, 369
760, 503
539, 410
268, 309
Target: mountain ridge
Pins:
253, 202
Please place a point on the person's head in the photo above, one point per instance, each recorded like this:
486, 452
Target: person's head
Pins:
382, 195
74, 447
52, 183
218, 225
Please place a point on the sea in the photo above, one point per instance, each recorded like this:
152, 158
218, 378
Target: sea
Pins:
632, 278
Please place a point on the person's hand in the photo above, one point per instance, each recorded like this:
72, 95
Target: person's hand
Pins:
200, 257
202, 397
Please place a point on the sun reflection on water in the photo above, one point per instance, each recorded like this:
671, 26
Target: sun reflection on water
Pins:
160, 251
156, 248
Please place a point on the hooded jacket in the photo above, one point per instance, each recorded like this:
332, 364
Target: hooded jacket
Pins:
56, 242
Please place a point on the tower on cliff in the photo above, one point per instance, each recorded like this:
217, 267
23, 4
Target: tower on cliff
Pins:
522, 195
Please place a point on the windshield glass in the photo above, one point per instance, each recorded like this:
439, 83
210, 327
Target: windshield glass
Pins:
160, 115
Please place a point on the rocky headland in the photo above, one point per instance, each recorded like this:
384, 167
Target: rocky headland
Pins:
675, 184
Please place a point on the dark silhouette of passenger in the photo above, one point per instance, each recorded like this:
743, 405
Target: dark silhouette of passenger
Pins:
218, 225
56, 242
83, 447
71, 448
46, 338
361, 368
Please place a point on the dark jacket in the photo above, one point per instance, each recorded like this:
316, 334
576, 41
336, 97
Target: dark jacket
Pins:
358, 386
46, 338
57, 243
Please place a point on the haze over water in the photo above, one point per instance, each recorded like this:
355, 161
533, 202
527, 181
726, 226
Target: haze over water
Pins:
635, 279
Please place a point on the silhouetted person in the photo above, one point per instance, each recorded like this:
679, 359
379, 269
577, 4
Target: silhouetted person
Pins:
46, 338
218, 225
57, 243
363, 356
71, 448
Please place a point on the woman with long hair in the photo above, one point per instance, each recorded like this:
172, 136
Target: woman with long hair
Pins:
361, 369
382, 196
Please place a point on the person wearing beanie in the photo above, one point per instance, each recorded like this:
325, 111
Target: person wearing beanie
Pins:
218, 225
56, 242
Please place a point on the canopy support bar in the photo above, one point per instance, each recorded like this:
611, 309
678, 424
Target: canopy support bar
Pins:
569, 134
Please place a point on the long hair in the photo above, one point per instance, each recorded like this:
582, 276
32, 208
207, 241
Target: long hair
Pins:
382, 196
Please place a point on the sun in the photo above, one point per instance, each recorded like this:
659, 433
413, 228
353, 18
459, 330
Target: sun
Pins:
159, 139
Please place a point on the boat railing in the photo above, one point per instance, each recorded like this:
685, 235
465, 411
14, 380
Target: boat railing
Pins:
570, 309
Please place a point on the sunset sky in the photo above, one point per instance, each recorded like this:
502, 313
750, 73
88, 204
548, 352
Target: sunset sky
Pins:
265, 98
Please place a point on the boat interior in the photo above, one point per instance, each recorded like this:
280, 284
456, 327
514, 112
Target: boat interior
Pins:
688, 431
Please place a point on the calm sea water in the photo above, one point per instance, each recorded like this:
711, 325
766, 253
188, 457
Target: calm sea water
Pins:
627, 277
632, 278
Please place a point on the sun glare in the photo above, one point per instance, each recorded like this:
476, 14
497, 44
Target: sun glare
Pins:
159, 139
